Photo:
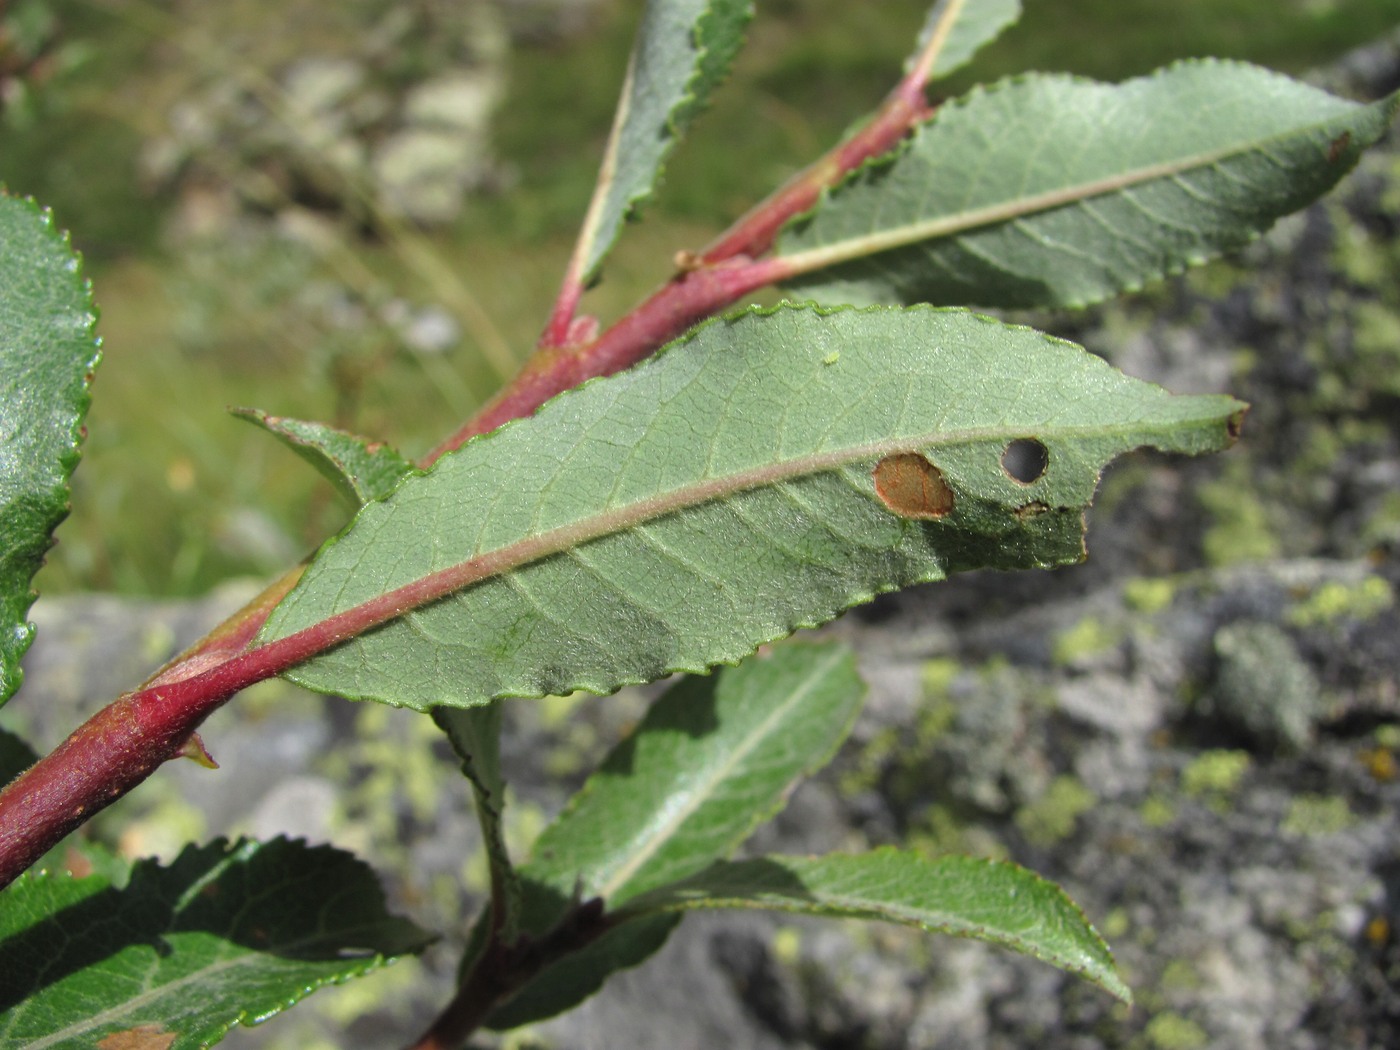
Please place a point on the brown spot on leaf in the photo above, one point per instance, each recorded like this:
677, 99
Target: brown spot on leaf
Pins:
142, 1037
1337, 147
912, 487
1235, 424
1033, 509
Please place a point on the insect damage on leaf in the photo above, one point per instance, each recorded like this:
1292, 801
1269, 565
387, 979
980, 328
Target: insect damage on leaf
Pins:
142, 1037
912, 487
1025, 460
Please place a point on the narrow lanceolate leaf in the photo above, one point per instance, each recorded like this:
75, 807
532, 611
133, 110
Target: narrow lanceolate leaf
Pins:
957, 29
47, 357
989, 900
360, 469
683, 52
713, 759
767, 472
1056, 191
224, 935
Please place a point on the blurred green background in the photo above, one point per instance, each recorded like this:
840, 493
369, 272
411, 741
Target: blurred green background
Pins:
204, 157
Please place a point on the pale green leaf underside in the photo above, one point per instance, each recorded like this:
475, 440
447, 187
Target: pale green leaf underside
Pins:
962, 28
683, 51
361, 470
984, 899
1056, 191
721, 495
223, 935
713, 759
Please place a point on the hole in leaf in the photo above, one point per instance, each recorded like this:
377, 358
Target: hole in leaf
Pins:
912, 487
1025, 460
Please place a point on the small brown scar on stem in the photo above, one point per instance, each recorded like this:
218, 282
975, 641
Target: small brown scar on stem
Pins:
912, 487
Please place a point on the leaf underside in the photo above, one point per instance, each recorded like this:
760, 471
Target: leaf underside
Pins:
225, 934
1050, 190
965, 27
683, 51
361, 470
723, 495
713, 759
47, 356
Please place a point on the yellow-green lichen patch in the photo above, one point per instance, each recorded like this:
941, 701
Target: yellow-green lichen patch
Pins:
1356, 252
1335, 601
1240, 529
1156, 811
1085, 640
1215, 773
1376, 330
1172, 1031
1149, 594
1052, 817
1318, 815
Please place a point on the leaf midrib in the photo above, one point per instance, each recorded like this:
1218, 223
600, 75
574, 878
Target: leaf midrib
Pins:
250, 957
850, 249
440, 583
658, 834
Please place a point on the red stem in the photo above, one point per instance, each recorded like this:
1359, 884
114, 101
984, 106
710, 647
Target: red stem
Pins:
755, 232
670, 311
125, 742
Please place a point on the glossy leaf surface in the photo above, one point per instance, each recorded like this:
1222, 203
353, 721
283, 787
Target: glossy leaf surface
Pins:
47, 357
723, 495
713, 759
1058, 191
226, 934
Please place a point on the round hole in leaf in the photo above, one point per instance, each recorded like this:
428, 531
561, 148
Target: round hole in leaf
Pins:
1025, 460
912, 487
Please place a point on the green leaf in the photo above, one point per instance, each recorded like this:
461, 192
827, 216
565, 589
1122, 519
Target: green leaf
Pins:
361, 470
683, 51
577, 976
47, 357
1056, 191
985, 899
224, 935
714, 758
958, 29
475, 734
680, 514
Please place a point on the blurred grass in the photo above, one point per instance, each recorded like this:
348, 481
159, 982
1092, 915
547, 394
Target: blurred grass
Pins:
175, 495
